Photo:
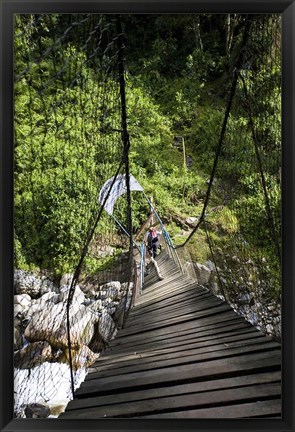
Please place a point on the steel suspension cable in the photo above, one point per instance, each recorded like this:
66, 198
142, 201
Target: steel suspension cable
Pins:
261, 171
78, 270
239, 64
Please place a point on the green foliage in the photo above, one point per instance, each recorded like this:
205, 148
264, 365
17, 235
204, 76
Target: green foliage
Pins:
179, 71
227, 220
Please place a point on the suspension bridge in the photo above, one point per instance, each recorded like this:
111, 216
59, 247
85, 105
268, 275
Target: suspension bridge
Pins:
183, 353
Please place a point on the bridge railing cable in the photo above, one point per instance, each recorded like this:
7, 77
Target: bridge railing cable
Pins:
170, 248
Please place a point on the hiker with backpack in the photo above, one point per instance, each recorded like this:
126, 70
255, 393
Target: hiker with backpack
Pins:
153, 242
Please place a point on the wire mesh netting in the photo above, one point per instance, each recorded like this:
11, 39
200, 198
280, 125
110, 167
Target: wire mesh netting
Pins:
68, 142
245, 254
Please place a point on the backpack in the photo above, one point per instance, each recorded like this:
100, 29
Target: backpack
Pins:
152, 237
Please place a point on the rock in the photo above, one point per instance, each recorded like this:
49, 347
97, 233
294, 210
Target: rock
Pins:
57, 407
26, 283
210, 265
105, 251
252, 318
127, 286
269, 329
37, 410
35, 307
66, 279
17, 340
90, 293
22, 299
50, 296
43, 301
20, 413
50, 324
111, 310
215, 288
112, 284
243, 287
119, 314
81, 358
113, 293
102, 295
18, 310
97, 344
107, 302
96, 306
104, 329
34, 354
48, 382
88, 302
235, 259
203, 273
244, 299
47, 286
191, 221
112, 288
79, 296
106, 326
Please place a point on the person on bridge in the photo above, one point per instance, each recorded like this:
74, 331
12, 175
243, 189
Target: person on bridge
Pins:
153, 242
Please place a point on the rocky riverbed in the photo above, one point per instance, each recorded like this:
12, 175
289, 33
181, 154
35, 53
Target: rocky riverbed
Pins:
42, 374
250, 299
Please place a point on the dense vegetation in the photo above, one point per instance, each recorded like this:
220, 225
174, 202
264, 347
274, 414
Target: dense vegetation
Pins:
179, 71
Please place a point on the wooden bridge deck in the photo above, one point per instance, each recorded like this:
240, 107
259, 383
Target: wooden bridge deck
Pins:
183, 354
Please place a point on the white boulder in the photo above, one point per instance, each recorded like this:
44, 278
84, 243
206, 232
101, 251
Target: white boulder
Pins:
203, 273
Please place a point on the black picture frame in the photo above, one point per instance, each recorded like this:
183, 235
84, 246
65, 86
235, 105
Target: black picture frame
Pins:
8, 9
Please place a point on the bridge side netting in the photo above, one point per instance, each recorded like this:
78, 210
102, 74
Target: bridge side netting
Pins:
72, 262
245, 253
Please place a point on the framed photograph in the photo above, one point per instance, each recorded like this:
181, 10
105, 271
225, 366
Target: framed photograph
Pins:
147, 184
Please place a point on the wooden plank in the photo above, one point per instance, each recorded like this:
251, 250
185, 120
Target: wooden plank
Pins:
200, 327
187, 358
164, 289
116, 352
195, 328
164, 341
164, 361
178, 301
146, 355
170, 345
181, 311
171, 301
257, 409
168, 269
209, 311
167, 342
185, 373
187, 401
181, 308
153, 393
172, 280
170, 276
224, 318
